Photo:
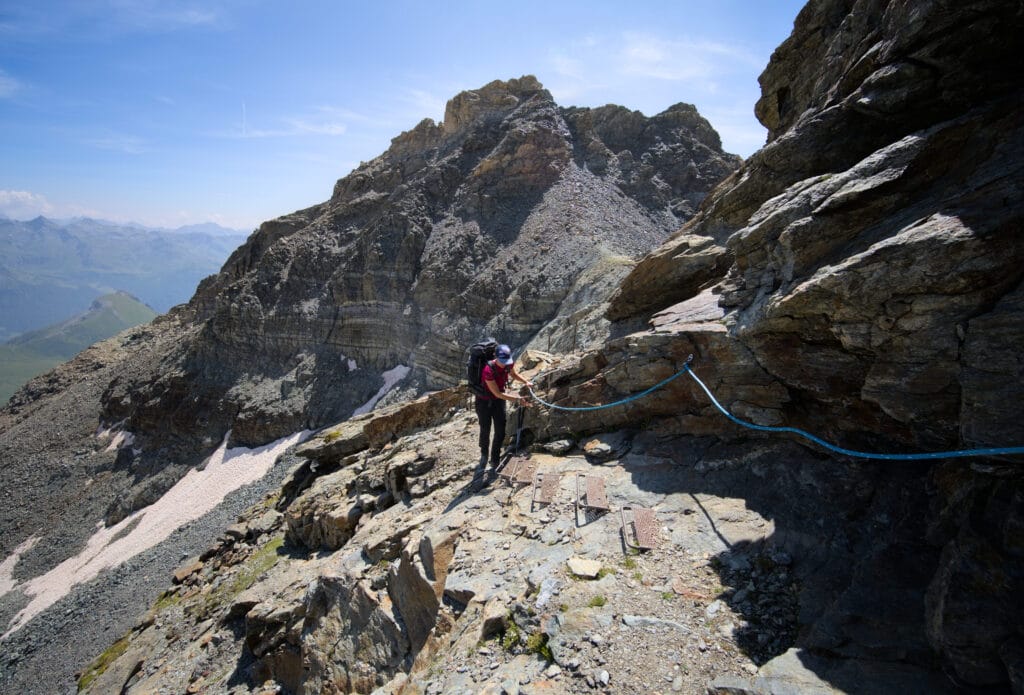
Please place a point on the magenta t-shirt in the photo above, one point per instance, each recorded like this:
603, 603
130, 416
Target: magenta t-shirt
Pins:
493, 372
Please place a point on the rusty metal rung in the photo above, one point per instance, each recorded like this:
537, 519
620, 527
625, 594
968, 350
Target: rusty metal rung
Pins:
644, 525
547, 485
519, 471
524, 474
594, 496
509, 469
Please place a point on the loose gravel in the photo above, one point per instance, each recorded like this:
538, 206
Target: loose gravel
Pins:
44, 656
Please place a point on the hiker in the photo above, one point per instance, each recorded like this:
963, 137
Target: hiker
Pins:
490, 408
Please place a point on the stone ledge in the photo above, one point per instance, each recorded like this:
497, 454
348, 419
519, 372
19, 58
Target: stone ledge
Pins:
377, 428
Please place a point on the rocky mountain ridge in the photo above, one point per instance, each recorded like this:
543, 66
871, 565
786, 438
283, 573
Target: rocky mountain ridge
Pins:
859, 277
482, 224
514, 216
486, 223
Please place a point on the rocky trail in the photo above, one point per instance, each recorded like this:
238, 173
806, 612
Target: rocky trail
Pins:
406, 568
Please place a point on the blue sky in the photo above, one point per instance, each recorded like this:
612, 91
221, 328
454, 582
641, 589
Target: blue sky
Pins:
237, 111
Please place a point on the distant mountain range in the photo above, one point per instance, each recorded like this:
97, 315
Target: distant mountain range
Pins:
211, 228
53, 269
33, 353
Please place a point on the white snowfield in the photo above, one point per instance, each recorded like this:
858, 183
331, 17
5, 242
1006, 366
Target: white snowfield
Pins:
193, 496
391, 377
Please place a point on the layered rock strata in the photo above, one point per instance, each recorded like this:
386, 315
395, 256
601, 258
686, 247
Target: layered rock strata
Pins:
513, 217
484, 223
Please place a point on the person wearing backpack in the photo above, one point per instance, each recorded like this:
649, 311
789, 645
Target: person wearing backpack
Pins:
490, 402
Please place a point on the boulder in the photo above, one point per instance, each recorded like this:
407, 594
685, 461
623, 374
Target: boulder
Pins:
187, 570
377, 428
352, 640
326, 514
582, 567
495, 618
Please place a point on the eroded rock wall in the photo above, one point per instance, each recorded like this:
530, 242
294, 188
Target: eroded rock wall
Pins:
868, 272
866, 266
492, 222
483, 224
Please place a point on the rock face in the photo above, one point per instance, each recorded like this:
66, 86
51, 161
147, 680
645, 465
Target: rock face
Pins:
482, 224
870, 272
515, 217
859, 278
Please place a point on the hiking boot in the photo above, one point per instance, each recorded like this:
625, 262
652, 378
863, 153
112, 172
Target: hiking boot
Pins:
483, 462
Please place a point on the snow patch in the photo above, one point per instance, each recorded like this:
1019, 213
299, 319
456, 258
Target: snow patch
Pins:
391, 377
122, 438
194, 495
7, 581
108, 431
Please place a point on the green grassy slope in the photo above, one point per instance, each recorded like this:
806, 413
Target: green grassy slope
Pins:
51, 269
35, 352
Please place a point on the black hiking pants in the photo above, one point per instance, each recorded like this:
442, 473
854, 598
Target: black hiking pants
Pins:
491, 412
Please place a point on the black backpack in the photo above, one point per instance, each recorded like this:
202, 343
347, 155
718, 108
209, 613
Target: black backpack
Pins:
479, 355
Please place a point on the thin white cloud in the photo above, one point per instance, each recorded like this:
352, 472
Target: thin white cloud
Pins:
344, 114
258, 134
196, 17
23, 205
619, 64
573, 68
650, 72
680, 60
161, 15
300, 126
103, 19
739, 129
28, 20
426, 104
8, 85
27, 205
324, 120
128, 144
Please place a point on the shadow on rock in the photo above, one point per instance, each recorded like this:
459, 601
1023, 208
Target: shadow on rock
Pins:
815, 556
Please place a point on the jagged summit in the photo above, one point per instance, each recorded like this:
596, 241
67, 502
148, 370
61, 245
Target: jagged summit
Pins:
493, 100
484, 224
